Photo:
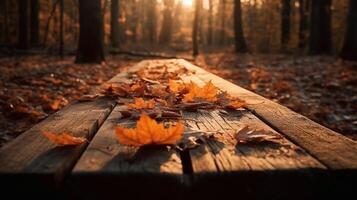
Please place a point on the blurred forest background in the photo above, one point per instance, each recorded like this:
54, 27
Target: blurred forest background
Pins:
144, 24
300, 53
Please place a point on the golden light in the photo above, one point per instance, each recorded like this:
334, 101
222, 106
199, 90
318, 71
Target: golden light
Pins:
187, 3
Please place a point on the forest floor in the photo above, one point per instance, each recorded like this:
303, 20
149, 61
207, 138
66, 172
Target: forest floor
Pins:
321, 88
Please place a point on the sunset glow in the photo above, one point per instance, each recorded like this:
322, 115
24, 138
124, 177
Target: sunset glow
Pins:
187, 3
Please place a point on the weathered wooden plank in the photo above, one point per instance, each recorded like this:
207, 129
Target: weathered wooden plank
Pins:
286, 155
329, 147
34, 164
229, 156
107, 166
241, 166
255, 171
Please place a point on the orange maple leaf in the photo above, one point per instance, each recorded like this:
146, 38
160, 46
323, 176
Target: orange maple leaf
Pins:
140, 103
177, 87
208, 92
148, 132
64, 139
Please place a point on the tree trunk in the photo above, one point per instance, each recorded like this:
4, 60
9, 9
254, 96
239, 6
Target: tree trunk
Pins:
6, 23
151, 20
195, 27
349, 49
47, 28
134, 21
285, 24
166, 30
320, 27
222, 34
240, 44
303, 22
35, 7
61, 45
90, 46
210, 23
24, 32
177, 18
114, 23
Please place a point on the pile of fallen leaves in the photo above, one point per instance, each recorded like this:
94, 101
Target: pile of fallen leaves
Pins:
155, 94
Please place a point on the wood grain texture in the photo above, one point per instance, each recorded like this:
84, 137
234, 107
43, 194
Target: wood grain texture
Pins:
284, 155
329, 147
222, 168
107, 162
31, 159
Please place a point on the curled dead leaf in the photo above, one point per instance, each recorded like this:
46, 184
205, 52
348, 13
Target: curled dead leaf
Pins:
193, 139
88, 97
158, 92
248, 135
64, 139
136, 89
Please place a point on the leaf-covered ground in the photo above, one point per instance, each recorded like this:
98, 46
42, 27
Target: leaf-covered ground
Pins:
321, 88
33, 87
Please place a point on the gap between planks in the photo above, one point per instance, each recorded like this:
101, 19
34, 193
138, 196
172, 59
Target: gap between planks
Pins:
332, 149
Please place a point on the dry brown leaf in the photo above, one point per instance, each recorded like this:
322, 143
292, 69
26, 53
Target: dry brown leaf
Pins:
149, 132
88, 97
115, 89
140, 103
138, 89
193, 139
64, 139
158, 92
55, 105
248, 135
123, 89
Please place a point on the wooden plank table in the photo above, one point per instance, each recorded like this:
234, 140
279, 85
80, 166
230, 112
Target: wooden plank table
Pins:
310, 161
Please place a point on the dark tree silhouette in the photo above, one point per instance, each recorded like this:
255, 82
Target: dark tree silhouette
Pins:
303, 22
240, 43
320, 27
35, 7
151, 21
24, 32
134, 21
195, 27
61, 46
166, 30
349, 49
285, 23
210, 23
114, 23
222, 33
90, 46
